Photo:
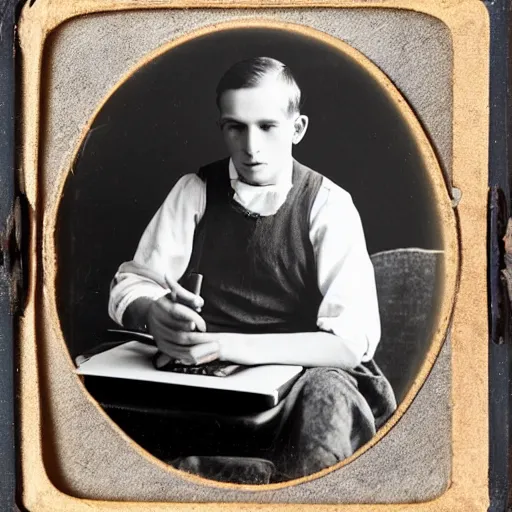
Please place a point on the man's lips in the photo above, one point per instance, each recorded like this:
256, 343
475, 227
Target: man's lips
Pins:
253, 164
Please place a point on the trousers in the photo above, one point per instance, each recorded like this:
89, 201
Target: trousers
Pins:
328, 414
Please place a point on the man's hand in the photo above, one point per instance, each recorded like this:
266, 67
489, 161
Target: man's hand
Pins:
178, 328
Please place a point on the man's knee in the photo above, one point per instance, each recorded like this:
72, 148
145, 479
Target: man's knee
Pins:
334, 395
330, 420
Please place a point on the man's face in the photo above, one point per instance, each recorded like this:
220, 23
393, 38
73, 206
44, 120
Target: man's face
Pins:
259, 131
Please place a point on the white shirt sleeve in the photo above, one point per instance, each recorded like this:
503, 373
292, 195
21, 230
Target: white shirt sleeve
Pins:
164, 249
346, 279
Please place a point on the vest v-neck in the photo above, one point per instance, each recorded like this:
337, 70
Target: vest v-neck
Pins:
259, 271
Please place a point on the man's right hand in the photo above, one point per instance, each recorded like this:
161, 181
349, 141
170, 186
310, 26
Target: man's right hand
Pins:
176, 311
171, 318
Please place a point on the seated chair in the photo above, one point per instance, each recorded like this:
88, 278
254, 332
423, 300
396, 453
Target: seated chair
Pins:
408, 283
408, 287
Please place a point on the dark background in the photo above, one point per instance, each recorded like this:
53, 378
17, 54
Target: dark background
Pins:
161, 124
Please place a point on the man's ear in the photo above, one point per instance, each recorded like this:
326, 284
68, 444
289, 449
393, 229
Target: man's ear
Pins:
300, 126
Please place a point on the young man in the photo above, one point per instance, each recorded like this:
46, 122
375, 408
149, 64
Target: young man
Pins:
287, 277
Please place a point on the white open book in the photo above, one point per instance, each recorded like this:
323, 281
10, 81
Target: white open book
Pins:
133, 361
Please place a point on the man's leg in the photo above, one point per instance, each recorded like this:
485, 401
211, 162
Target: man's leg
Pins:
325, 420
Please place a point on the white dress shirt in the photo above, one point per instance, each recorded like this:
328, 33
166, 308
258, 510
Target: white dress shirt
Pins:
349, 308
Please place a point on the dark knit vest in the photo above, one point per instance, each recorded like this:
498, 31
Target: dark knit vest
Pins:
259, 272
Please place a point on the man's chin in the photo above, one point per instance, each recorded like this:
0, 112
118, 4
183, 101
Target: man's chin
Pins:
258, 175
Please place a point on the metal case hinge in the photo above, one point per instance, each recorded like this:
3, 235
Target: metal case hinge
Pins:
11, 255
500, 267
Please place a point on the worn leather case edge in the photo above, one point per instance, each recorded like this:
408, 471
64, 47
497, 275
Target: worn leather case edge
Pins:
500, 358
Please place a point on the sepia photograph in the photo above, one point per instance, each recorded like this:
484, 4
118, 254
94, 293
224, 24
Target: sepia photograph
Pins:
250, 256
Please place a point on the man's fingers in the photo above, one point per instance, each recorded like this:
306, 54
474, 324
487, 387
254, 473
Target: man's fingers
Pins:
190, 338
177, 325
179, 316
190, 355
183, 296
185, 338
189, 315
169, 321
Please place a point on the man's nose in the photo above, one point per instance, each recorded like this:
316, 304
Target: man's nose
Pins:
252, 142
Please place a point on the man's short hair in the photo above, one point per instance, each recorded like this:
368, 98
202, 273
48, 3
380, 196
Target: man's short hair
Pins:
251, 72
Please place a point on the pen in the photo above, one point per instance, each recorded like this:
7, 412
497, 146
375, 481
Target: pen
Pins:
193, 283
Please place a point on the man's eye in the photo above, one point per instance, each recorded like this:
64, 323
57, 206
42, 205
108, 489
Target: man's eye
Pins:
267, 127
235, 128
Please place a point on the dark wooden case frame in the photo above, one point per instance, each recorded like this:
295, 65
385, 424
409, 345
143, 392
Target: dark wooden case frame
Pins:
13, 216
